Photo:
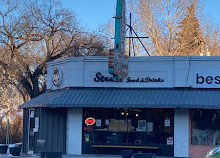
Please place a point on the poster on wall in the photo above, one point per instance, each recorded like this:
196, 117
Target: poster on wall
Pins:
98, 123
141, 125
86, 136
167, 122
150, 126
37, 121
31, 114
107, 121
170, 141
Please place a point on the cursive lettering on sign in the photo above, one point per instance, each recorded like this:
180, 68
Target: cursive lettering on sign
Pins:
146, 80
101, 78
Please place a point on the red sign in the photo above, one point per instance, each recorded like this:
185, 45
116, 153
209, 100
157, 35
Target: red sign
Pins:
90, 121
170, 141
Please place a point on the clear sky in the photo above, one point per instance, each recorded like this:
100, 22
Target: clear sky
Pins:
91, 13
212, 8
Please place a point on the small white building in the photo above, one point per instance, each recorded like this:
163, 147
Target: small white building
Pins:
166, 105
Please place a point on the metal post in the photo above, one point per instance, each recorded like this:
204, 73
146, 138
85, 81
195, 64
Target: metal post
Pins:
120, 26
130, 32
7, 132
127, 112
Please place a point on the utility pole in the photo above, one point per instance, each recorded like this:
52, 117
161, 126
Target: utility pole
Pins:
120, 26
118, 61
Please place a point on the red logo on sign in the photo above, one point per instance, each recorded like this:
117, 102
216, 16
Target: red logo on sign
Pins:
90, 121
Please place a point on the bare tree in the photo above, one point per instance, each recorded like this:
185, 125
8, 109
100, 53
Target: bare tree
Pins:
33, 33
10, 100
159, 19
211, 35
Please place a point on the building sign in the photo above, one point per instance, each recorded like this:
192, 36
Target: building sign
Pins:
90, 121
57, 77
118, 64
200, 79
147, 79
203, 78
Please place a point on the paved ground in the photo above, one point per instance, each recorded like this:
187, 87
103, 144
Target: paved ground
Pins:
66, 156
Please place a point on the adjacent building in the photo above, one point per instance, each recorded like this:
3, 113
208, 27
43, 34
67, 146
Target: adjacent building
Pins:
171, 103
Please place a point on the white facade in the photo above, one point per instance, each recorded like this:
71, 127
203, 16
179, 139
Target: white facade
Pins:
195, 72
74, 131
181, 133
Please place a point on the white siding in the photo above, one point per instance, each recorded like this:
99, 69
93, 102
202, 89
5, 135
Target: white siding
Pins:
176, 72
74, 131
181, 133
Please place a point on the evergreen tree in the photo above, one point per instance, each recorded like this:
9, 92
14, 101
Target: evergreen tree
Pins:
190, 36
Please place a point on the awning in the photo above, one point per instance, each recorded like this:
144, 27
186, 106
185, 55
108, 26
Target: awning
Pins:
128, 98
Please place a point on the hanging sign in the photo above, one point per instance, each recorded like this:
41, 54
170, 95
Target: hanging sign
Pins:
118, 64
90, 121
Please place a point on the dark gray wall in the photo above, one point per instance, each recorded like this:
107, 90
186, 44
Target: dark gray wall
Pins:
25, 130
52, 129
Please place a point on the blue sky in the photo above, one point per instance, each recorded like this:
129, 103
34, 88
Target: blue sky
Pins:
212, 8
91, 13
